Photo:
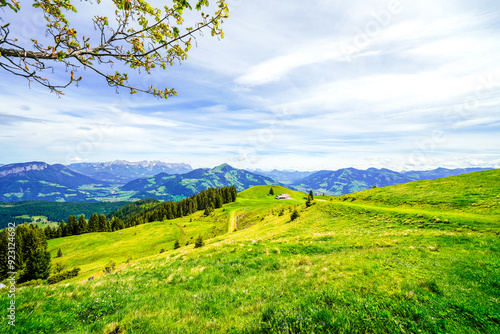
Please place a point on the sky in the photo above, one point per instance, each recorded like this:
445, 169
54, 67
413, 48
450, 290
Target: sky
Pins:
322, 84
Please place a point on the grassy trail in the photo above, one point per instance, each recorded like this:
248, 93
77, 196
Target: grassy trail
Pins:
233, 222
451, 215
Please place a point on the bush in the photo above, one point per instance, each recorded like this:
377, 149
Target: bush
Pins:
177, 244
295, 214
199, 242
110, 266
63, 275
58, 266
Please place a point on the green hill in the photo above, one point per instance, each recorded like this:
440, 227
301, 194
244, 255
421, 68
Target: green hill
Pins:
477, 192
374, 262
350, 180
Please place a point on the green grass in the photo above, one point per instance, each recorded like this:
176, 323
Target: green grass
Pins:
341, 267
477, 193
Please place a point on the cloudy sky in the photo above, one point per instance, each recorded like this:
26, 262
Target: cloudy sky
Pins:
301, 85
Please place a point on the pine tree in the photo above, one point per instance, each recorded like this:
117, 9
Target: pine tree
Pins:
199, 242
37, 266
59, 253
309, 202
103, 226
35, 257
62, 228
271, 192
177, 244
311, 195
234, 193
218, 201
72, 227
4, 254
82, 225
295, 214
93, 225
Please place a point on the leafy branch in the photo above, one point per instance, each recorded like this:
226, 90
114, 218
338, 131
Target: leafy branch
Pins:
142, 37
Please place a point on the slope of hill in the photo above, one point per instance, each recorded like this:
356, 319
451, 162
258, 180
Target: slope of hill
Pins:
341, 267
41, 181
350, 180
174, 187
477, 192
441, 172
121, 172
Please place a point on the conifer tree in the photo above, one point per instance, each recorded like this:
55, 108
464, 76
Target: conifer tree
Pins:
309, 201
271, 192
37, 265
62, 228
218, 201
59, 253
82, 225
4, 254
93, 225
35, 257
103, 226
72, 227
199, 242
311, 195
295, 214
177, 244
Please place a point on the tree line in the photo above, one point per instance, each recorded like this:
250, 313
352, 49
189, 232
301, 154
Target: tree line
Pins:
208, 200
96, 223
149, 211
12, 212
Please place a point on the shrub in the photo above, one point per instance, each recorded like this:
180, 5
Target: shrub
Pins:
177, 244
59, 266
110, 266
162, 250
63, 275
199, 242
295, 214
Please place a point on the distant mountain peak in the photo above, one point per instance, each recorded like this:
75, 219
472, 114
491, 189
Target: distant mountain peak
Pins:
23, 167
223, 168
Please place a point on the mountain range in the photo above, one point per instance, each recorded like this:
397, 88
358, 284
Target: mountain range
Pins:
41, 181
121, 171
171, 187
105, 181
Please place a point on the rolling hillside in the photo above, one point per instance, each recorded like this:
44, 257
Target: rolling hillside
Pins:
369, 262
351, 180
174, 187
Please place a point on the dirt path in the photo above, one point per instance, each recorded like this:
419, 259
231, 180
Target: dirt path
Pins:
182, 231
233, 222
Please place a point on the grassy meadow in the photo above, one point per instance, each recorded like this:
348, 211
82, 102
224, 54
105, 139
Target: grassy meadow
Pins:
423, 257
